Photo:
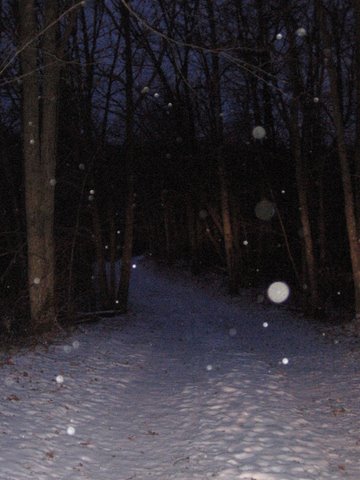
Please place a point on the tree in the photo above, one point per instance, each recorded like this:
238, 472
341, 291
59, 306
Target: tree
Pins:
346, 172
40, 89
218, 133
123, 291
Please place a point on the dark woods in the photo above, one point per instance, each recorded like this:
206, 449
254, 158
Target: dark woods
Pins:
222, 133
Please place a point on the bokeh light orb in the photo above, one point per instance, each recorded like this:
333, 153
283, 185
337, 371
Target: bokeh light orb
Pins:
259, 133
278, 292
301, 32
265, 210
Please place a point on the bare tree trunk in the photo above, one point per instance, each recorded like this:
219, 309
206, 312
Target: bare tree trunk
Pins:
356, 5
123, 291
322, 221
348, 190
227, 226
100, 258
301, 185
112, 248
48, 146
167, 225
31, 149
215, 94
39, 162
192, 235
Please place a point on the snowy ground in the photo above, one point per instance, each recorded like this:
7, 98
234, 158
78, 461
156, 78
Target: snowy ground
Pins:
191, 386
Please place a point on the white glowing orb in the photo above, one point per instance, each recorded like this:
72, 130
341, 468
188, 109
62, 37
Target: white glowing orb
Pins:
36, 280
316, 99
209, 368
145, 90
32, 141
134, 265
169, 105
301, 32
59, 379
76, 344
52, 182
279, 36
245, 242
232, 332
203, 214
259, 133
285, 361
265, 324
70, 430
264, 210
156, 95
278, 292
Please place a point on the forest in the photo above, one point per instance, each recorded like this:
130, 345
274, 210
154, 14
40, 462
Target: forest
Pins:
223, 134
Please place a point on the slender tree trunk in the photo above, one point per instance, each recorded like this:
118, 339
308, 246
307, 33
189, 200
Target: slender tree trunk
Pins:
348, 190
100, 259
301, 185
167, 225
215, 94
227, 226
322, 221
112, 248
123, 291
126, 264
192, 235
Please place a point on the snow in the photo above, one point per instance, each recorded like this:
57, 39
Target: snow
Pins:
188, 386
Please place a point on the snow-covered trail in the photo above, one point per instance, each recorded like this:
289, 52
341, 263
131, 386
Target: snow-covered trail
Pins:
192, 386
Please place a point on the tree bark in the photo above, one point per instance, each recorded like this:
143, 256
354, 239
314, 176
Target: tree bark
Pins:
215, 96
39, 149
348, 190
123, 291
112, 248
356, 5
100, 259
301, 185
48, 148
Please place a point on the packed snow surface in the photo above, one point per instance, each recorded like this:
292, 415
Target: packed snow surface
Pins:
190, 385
